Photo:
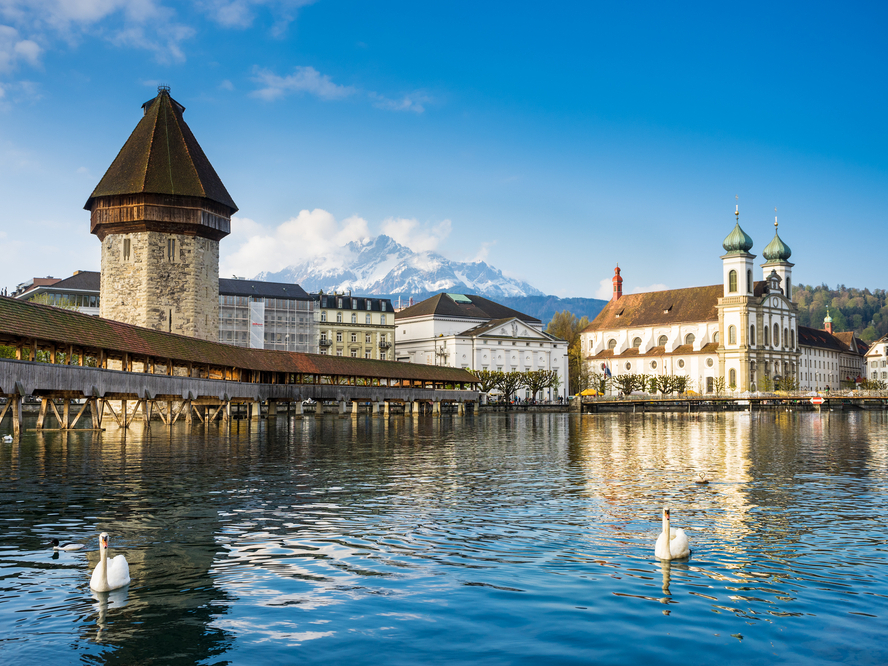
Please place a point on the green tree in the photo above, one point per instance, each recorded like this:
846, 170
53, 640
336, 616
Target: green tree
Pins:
566, 326
487, 379
509, 382
538, 380
681, 383
718, 384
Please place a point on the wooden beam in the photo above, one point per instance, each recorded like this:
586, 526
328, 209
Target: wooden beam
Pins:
62, 424
42, 415
77, 418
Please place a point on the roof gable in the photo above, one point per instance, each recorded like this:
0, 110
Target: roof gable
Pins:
467, 306
656, 308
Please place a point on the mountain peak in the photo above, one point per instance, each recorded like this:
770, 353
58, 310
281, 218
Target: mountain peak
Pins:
381, 265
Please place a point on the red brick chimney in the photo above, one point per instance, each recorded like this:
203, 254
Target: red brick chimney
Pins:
618, 285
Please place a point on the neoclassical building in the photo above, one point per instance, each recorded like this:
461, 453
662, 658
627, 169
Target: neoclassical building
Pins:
741, 329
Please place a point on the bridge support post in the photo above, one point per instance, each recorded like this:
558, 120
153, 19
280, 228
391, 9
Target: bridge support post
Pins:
436, 408
95, 412
123, 406
386, 409
226, 414
146, 413
355, 407
66, 411
42, 415
16, 415
407, 407
272, 408
461, 408
255, 410
416, 407
374, 408
189, 414
341, 407
297, 409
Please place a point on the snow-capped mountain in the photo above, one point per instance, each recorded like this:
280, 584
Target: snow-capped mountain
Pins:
382, 266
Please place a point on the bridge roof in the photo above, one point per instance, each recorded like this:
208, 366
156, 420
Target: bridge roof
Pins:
22, 321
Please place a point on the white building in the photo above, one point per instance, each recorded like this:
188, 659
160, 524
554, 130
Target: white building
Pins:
468, 331
877, 360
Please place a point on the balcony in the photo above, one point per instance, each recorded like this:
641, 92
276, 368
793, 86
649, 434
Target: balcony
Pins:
385, 345
323, 342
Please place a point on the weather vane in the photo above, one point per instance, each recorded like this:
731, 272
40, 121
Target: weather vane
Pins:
737, 209
775, 217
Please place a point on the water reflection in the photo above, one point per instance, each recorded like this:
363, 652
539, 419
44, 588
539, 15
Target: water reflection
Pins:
524, 535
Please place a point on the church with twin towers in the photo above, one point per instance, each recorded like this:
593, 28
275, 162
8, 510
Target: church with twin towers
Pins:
741, 335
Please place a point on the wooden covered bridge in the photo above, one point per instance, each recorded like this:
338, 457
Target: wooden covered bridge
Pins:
108, 367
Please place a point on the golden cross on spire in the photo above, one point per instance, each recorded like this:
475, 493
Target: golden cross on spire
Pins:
775, 217
737, 209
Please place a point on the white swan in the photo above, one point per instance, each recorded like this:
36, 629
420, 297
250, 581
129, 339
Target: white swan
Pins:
672, 544
66, 546
7, 439
109, 575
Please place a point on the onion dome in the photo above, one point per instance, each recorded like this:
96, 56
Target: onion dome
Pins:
827, 319
777, 250
738, 241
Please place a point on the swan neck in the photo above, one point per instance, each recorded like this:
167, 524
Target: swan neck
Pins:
666, 523
103, 553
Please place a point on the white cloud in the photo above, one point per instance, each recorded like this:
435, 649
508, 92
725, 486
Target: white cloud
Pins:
483, 251
241, 13
315, 235
303, 79
226, 85
605, 289
419, 238
310, 235
414, 102
14, 50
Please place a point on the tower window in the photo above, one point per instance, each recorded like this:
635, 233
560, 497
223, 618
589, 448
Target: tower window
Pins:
171, 250
732, 281
732, 335
126, 249
752, 335
749, 281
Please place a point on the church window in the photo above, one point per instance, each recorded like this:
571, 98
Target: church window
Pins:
732, 281
732, 378
765, 333
612, 343
681, 363
792, 339
776, 335
732, 335
752, 335
785, 337
654, 365
749, 281
662, 340
715, 337
628, 365
689, 339
636, 342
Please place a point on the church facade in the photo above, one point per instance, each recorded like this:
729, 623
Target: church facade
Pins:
743, 330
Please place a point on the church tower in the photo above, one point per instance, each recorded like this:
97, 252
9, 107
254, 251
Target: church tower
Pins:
160, 211
735, 325
777, 255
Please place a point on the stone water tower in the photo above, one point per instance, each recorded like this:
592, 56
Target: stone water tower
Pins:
160, 211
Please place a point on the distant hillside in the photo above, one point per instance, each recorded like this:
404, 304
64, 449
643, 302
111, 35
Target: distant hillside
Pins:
860, 310
541, 307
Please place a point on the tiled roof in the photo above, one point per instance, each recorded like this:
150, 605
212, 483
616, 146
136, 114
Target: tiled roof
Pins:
162, 156
812, 337
229, 287
477, 307
852, 342
84, 281
24, 320
681, 350
658, 308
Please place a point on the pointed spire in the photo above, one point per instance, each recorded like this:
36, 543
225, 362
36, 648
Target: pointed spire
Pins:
738, 241
777, 250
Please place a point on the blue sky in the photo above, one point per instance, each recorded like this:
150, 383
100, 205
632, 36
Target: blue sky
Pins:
551, 141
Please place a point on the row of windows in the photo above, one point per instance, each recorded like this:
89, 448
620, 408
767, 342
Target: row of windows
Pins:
80, 300
732, 281
354, 354
349, 303
354, 318
270, 303
354, 337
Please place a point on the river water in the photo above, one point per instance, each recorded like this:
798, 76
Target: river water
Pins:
497, 539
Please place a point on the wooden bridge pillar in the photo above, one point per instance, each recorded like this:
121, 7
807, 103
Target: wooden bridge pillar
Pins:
66, 409
355, 407
417, 405
436, 408
407, 407
461, 408
374, 408
386, 409
255, 410
16, 415
42, 415
189, 413
341, 407
272, 408
297, 409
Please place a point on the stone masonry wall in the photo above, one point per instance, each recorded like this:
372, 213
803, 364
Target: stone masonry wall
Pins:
178, 293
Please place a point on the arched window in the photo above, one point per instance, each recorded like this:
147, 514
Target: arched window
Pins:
732, 379
715, 337
785, 337
662, 340
732, 281
776, 335
749, 281
732, 335
354, 318
339, 317
612, 343
689, 339
792, 339
323, 316
765, 333
752, 335
636, 342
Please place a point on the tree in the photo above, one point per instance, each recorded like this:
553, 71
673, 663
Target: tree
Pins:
766, 384
786, 384
487, 379
566, 326
537, 380
718, 384
625, 384
509, 382
681, 383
